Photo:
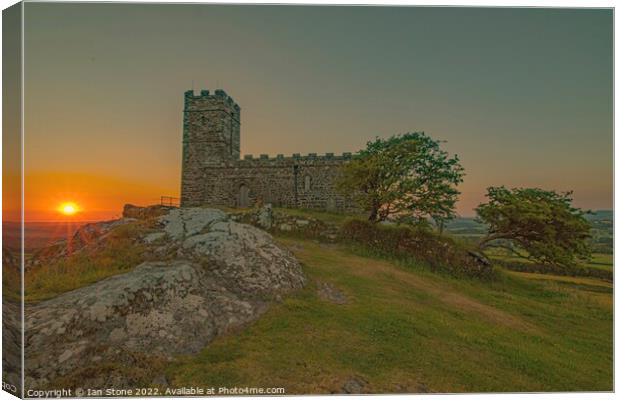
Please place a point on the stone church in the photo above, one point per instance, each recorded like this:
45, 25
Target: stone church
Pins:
214, 174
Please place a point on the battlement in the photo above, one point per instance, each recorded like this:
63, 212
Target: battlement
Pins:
204, 98
264, 158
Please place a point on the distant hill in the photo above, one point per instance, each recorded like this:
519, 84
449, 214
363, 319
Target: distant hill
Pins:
602, 230
37, 234
466, 226
601, 215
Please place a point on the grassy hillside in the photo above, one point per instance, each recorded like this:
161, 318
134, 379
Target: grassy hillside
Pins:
402, 329
405, 329
119, 253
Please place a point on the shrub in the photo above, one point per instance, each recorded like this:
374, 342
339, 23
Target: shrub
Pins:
590, 272
423, 245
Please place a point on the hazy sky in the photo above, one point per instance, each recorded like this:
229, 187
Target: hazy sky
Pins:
523, 96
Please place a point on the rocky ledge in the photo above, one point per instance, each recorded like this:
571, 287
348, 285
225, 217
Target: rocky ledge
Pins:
210, 274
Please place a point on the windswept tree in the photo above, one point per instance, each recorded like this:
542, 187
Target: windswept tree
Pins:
536, 224
406, 176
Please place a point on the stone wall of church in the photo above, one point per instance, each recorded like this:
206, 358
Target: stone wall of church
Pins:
297, 181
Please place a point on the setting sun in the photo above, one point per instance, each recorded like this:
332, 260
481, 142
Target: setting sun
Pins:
68, 208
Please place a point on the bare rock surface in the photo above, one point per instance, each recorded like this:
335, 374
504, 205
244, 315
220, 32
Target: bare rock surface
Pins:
213, 275
244, 258
264, 217
354, 385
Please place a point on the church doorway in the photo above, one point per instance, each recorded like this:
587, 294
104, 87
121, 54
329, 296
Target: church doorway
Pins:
244, 196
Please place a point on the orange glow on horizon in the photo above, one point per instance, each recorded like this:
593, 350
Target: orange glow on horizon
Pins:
83, 196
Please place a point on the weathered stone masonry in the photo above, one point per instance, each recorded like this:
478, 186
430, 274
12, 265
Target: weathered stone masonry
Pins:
213, 174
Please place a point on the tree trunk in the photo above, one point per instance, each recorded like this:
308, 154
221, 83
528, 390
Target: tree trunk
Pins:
374, 212
489, 238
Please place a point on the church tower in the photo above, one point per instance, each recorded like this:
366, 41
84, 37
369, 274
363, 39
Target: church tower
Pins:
211, 138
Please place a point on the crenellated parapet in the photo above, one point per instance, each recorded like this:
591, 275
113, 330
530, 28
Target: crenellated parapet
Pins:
279, 158
204, 100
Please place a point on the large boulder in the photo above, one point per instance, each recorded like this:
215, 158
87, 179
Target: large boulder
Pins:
212, 275
245, 258
264, 217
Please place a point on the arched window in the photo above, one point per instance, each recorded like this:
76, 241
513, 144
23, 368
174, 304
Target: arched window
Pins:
307, 183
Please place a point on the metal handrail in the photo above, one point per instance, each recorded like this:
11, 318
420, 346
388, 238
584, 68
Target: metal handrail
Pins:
170, 201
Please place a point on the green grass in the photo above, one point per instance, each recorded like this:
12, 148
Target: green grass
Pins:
11, 283
323, 216
407, 329
601, 261
598, 260
119, 254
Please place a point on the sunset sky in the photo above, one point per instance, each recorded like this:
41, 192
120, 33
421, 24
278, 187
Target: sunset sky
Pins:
523, 96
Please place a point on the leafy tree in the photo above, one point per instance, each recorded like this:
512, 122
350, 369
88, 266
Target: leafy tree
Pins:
406, 176
537, 224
